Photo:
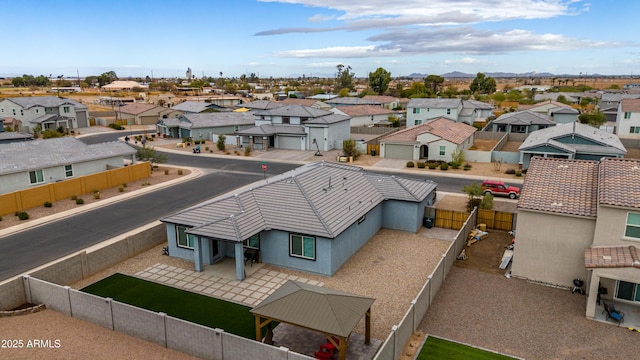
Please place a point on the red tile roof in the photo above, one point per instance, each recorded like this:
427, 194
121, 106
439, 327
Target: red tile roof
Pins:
630, 105
295, 101
611, 257
561, 186
443, 128
619, 179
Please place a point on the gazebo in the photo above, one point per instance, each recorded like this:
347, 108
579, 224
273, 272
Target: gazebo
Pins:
332, 312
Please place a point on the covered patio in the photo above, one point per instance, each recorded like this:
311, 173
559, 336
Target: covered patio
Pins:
330, 312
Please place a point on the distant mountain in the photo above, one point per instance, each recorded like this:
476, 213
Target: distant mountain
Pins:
461, 75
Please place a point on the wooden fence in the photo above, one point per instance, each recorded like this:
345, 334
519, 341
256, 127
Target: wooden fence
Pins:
497, 220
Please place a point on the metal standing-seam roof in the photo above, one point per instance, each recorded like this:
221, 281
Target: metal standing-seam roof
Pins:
314, 307
40, 154
321, 199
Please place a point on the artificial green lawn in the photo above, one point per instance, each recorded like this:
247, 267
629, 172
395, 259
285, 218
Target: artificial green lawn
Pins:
436, 348
214, 313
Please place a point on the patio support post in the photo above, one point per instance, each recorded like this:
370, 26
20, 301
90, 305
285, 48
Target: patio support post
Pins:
258, 328
239, 257
197, 253
592, 293
367, 327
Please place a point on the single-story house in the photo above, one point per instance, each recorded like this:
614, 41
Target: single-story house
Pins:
564, 114
436, 139
144, 114
365, 115
571, 141
296, 127
47, 112
313, 218
29, 163
204, 125
580, 219
521, 122
195, 107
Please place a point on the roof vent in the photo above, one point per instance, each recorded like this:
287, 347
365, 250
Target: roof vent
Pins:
563, 166
556, 204
606, 257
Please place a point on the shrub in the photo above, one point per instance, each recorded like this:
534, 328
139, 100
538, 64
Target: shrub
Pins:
432, 165
220, 143
206, 148
410, 164
116, 126
487, 202
510, 172
74, 197
420, 165
444, 166
48, 204
146, 183
96, 195
247, 151
124, 184
350, 148
179, 172
79, 201
95, 191
23, 215
121, 189
467, 167
519, 173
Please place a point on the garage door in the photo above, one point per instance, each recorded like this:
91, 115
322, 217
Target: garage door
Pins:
318, 134
289, 142
404, 152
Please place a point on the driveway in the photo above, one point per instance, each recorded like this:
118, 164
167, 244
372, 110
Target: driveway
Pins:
524, 319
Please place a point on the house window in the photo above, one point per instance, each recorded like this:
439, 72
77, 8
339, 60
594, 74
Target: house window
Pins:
417, 122
627, 291
37, 111
634, 130
633, 226
448, 111
362, 219
21, 112
627, 115
183, 239
416, 110
428, 109
36, 177
235, 128
286, 120
252, 242
442, 150
68, 170
66, 109
302, 246
14, 112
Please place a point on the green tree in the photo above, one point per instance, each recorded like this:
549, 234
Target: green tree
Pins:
595, 119
499, 97
344, 92
344, 78
450, 92
434, 83
475, 193
379, 80
149, 154
349, 148
220, 144
107, 78
483, 84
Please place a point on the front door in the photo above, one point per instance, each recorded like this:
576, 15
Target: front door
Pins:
215, 251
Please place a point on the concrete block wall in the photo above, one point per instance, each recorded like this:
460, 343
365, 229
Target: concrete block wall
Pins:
63, 272
154, 234
53, 296
91, 308
236, 347
141, 323
404, 331
12, 294
193, 339
107, 256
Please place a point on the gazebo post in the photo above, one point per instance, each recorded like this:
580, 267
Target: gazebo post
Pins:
367, 327
343, 348
258, 328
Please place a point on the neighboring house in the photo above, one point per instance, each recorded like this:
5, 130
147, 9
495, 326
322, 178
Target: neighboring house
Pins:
47, 112
365, 115
12, 136
195, 107
437, 139
389, 102
628, 119
571, 141
573, 98
29, 163
203, 126
12, 124
296, 127
323, 97
613, 99
474, 111
313, 218
580, 219
124, 85
144, 114
522, 122
564, 114
423, 109
261, 105
306, 102
352, 100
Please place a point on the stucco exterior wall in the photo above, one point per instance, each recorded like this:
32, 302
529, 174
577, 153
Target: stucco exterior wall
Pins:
610, 227
338, 132
550, 247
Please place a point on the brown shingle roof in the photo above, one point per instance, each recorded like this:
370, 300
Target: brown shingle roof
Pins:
630, 105
611, 257
618, 182
561, 186
443, 128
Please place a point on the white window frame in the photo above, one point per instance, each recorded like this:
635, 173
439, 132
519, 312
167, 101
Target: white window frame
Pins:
634, 225
634, 130
417, 122
302, 238
627, 115
34, 179
635, 296
443, 150
187, 243
68, 170
66, 109
416, 110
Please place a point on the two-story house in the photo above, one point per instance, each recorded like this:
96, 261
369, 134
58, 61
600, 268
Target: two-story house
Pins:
423, 109
296, 127
628, 119
46, 112
580, 219
365, 115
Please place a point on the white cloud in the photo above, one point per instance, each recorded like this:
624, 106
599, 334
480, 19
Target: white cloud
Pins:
339, 52
466, 61
318, 18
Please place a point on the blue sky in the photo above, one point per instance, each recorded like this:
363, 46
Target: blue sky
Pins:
292, 38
